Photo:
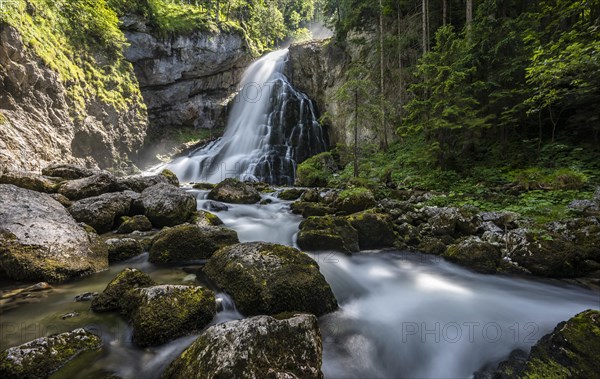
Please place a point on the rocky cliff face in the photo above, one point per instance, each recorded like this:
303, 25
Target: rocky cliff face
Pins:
186, 80
318, 68
41, 120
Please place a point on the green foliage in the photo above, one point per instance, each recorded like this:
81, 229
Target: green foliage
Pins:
315, 171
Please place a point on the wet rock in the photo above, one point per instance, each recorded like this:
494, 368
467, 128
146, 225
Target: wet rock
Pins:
40, 240
12, 298
69, 315
432, 245
509, 369
120, 249
297, 207
132, 224
328, 233
233, 191
67, 171
354, 200
311, 195
264, 347
102, 212
43, 356
167, 205
203, 186
203, 218
113, 296
189, 242
291, 193
87, 187
474, 253
265, 201
160, 314
139, 183
266, 278
28, 181
86, 296
374, 230
316, 209
215, 206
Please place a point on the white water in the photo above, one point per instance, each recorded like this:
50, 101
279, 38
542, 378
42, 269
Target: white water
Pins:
270, 129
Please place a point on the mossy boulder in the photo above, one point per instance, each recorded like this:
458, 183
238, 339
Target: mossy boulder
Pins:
40, 240
28, 181
451, 221
163, 313
120, 249
203, 186
316, 170
167, 205
264, 347
474, 253
328, 233
297, 207
139, 223
43, 356
189, 242
113, 297
266, 278
234, 191
431, 245
204, 218
89, 186
569, 351
375, 230
354, 200
102, 212
291, 193
316, 209
311, 195
171, 177
67, 171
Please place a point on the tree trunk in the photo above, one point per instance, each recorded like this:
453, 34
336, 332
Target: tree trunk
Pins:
469, 11
381, 72
355, 133
218, 8
445, 12
424, 24
400, 79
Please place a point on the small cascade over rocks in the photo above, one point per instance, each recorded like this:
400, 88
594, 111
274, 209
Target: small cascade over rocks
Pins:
271, 128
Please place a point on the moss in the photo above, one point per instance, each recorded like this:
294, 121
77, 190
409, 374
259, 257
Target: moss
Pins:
232, 190
374, 229
189, 242
316, 170
113, 296
203, 186
291, 194
328, 233
29, 181
480, 256
3, 119
204, 218
171, 177
135, 223
354, 200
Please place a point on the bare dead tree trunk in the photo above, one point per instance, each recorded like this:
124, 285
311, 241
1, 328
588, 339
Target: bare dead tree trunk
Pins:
424, 24
381, 72
469, 12
444, 12
355, 133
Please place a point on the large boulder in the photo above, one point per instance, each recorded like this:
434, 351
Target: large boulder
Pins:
167, 205
266, 278
354, 200
315, 171
43, 356
204, 218
120, 249
67, 171
375, 230
257, 347
234, 191
137, 223
291, 193
138, 183
162, 313
328, 233
102, 212
113, 297
28, 181
189, 242
89, 186
40, 240
451, 221
479, 255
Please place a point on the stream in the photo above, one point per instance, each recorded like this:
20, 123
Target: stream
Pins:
402, 314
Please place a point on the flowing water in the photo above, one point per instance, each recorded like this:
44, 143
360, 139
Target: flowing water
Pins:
271, 128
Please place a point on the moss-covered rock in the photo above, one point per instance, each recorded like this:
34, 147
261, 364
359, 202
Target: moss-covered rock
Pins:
316, 209
167, 205
474, 253
189, 242
204, 218
50, 246
28, 181
297, 207
266, 278
431, 245
132, 224
264, 348
41, 357
102, 212
171, 177
328, 233
113, 297
67, 171
62, 199
354, 200
315, 171
120, 249
89, 186
451, 221
311, 195
203, 186
291, 193
163, 313
234, 191
375, 230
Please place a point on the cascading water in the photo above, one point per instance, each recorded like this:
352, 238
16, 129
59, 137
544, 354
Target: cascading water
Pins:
271, 128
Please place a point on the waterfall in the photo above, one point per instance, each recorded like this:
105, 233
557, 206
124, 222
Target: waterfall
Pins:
271, 128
